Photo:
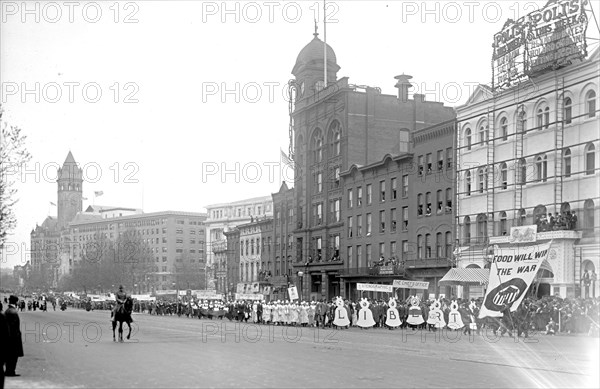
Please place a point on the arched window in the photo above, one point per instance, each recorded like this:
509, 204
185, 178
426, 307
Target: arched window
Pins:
468, 138
448, 253
504, 175
440, 202
483, 134
565, 207
335, 137
481, 227
503, 226
590, 103
541, 164
483, 179
467, 229
317, 146
567, 162
588, 214
521, 217
428, 203
504, 128
590, 159
439, 244
547, 117
538, 212
539, 119
522, 171
419, 246
468, 183
428, 246
522, 120
568, 107
420, 204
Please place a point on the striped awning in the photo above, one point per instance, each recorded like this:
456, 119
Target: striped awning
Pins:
465, 276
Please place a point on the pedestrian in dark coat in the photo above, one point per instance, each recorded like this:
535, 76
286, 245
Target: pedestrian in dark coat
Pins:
4, 339
15, 343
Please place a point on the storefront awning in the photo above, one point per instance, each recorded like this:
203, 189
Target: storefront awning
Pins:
465, 276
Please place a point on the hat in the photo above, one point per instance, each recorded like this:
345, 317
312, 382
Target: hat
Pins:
13, 299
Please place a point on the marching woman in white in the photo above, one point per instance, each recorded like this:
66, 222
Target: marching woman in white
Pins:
392, 319
365, 315
266, 313
255, 312
436, 316
415, 315
312, 310
341, 314
304, 314
275, 313
294, 316
454, 319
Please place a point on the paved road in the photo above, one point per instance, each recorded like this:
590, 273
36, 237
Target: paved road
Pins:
75, 349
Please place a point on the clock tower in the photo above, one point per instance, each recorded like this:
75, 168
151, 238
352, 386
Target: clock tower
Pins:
309, 67
70, 198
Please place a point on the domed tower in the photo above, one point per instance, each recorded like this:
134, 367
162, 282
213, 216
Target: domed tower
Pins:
70, 192
309, 68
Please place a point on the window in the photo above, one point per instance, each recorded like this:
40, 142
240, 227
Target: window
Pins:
393, 248
359, 261
319, 182
368, 247
359, 196
440, 202
350, 225
541, 163
481, 227
335, 130
336, 210
394, 188
504, 175
468, 138
382, 191
588, 214
405, 186
590, 103
440, 159
483, 134
449, 158
522, 169
428, 246
420, 164
420, 204
369, 194
567, 163
429, 164
540, 119
568, 107
318, 146
448, 253
590, 159
483, 185
404, 218
468, 183
319, 245
522, 216
449, 200
350, 257
419, 246
369, 224
381, 221
504, 128
439, 245
350, 192
359, 225
428, 202
336, 177
547, 117
381, 250
503, 229
319, 213
393, 220
467, 230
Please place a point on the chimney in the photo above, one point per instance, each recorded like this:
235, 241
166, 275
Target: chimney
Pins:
403, 86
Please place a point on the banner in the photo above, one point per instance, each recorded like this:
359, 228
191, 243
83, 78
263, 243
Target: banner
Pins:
406, 284
375, 287
512, 272
293, 292
241, 296
523, 234
254, 287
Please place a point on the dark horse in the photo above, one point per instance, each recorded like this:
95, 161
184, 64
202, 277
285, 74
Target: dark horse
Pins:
123, 314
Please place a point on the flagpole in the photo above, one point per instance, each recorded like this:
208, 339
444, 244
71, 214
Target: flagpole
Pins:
325, 43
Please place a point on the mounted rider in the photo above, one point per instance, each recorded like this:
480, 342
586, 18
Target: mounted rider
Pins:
120, 298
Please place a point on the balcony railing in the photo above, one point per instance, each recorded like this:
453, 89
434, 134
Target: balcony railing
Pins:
374, 271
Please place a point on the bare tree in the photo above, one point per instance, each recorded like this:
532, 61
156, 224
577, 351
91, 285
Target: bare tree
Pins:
13, 154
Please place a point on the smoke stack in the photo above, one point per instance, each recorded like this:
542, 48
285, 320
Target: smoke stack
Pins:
403, 86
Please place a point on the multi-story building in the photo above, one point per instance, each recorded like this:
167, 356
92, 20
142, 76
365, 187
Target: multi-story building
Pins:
229, 283
172, 243
527, 154
336, 125
285, 249
224, 217
254, 237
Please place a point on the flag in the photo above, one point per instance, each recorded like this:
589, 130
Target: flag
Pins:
51, 203
286, 160
98, 193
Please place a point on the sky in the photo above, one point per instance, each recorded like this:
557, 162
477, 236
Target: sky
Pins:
176, 105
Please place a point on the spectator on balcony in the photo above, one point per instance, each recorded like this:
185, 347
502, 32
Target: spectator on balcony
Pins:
428, 213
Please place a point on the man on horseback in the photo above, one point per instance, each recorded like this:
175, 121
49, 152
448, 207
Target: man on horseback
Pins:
120, 297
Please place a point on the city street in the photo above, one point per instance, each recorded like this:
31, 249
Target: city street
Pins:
75, 349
